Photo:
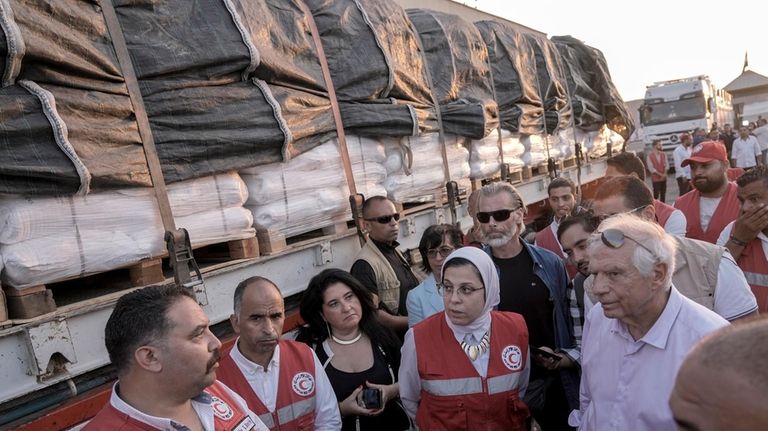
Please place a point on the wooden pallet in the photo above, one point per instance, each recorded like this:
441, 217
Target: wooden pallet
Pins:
4, 321
273, 241
569, 162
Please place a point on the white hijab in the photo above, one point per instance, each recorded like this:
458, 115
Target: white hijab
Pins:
490, 276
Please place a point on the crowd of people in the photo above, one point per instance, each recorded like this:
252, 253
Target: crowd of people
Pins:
625, 313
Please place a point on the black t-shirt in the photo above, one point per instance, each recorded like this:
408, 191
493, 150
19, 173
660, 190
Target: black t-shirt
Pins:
393, 418
363, 272
525, 293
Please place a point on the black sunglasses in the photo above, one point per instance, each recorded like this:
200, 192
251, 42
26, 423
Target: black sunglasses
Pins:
614, 238
385, 219
498, 215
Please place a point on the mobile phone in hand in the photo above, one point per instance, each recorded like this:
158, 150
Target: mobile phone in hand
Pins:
545, 353
372, 398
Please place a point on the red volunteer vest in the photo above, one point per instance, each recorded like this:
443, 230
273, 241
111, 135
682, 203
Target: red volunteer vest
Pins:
726, 212
663, 211
295, 404
657, 160
545, 238
752, 261
226, 413
453, 395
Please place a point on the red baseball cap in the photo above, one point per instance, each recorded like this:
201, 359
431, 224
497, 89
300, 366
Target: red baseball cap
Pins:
706, 152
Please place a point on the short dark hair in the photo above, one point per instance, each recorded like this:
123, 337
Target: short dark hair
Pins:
755, 174
139, 318
561, 182
585, 220
240, 289
634, 191
628, 164
433, 237
370, 201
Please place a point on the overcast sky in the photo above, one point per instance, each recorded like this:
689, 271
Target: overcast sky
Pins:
653, 40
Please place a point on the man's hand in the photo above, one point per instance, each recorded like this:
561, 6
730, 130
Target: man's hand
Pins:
751, 223
551, 363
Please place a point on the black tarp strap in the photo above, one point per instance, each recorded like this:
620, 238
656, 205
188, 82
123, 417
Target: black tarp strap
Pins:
177, 240
355, 199
451, 187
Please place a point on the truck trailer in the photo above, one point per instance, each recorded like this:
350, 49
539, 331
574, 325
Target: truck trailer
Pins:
127, 126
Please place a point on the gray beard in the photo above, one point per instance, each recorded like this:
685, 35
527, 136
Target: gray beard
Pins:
500, 242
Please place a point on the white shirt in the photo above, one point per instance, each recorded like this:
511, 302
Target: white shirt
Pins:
681, 153
676, 224
265, 385
202, 404
744, 151
626, 384
707, 207
410, 381
762, 136
725, 235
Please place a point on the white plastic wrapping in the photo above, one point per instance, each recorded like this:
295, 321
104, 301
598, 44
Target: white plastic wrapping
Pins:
536, 152
59, 238
310, 191
595, 144
425, 175
484, 157
23, 218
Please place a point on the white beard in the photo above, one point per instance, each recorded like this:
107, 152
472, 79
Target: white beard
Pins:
499, 241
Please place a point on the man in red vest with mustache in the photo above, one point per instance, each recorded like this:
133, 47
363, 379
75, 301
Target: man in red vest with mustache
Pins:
282, 381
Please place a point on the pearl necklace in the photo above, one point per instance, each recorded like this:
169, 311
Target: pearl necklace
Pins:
347, 342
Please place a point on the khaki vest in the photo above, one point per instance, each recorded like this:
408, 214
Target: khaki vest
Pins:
386, 280
696, 267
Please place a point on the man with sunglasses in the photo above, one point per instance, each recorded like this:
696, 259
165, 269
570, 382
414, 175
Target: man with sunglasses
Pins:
671, 219
381, 267
636, 339
704, 272
713, 202
534, 284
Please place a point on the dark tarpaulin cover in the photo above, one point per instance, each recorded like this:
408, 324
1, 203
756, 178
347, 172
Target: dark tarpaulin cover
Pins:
587, 108
593, 63
461, 77
377, 68
514, 77
553, 86
26, 138
198, 65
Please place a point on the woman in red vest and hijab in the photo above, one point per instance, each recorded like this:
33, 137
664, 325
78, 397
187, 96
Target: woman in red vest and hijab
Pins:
466, 368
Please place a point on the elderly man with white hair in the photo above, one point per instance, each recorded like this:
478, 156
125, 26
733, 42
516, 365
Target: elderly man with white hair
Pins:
638, 335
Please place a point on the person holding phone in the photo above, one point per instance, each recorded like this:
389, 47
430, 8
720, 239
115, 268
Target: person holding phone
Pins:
360, 355
467, 367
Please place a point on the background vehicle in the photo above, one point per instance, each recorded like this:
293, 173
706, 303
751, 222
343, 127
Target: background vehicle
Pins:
682, 105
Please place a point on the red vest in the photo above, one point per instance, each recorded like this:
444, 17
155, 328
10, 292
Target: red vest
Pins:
726, 212
545, 238
658, 160
663, 211
453, 395
227, 415
295, 404
734, 173
752, 261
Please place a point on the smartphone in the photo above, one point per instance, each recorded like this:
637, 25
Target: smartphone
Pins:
544, 353
372, 398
